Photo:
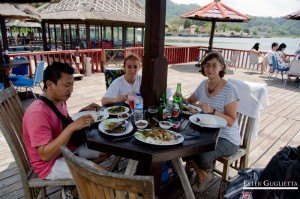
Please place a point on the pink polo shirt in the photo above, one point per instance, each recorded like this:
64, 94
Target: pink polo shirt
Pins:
41, 126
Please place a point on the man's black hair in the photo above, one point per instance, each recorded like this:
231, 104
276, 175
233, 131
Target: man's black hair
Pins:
53, 72
274, 44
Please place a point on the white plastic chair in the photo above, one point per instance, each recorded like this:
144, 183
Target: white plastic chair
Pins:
294, 70
254, 60
233, 59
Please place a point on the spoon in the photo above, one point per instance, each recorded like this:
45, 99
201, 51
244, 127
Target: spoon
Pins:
155, 119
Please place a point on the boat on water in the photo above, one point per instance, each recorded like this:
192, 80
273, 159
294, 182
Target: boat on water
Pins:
188, 35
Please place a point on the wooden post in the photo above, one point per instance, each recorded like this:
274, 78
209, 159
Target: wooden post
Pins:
155, 65
55, 37
112, 36
62, 33
211, 38
4, 33
77, 34
44, 36
101, 38
88, 35
134, 36
71, 39
124, 36
49, 35
143, 32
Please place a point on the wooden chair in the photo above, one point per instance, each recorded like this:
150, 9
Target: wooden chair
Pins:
94, 183
11, 113
239, 160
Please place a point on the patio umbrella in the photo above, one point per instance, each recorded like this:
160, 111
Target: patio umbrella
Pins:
216, 11
295, 16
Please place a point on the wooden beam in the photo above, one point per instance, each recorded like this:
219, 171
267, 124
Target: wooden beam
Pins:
44, 36
211, 38
124, 36
4, 33
55, 37
155, 65
62, 33
88, 35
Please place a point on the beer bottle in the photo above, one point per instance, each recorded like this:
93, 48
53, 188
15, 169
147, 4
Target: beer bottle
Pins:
162, 109
177, 104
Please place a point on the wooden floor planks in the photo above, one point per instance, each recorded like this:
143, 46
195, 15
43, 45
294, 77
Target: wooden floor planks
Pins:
279, 123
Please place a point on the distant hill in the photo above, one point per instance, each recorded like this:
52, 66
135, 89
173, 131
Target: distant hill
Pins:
260, 26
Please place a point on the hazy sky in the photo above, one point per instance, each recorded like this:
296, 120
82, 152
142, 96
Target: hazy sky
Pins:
273, 8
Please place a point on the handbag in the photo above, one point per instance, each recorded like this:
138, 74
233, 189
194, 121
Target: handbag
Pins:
78, 138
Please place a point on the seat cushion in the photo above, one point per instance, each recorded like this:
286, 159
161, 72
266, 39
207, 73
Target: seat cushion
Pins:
24, 82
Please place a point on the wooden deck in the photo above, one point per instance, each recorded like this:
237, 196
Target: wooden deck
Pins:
279, 123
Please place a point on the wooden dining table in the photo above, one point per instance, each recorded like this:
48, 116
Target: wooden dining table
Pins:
149, 157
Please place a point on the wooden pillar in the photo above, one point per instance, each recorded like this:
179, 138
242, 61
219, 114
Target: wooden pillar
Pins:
155, 65
134, 36
71, 38
88, 35
77, 34
44, 36
55, 37
112, 36
49, 35
101, 38
4, 33
143, 32
62, 33
211, 38
124, 36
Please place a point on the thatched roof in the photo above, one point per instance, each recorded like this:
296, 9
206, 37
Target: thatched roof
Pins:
11, 11
295, 16
18, 23
216, 11
105, 11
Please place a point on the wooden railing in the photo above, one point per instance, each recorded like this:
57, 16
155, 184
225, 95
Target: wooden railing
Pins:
65, 56
174, 55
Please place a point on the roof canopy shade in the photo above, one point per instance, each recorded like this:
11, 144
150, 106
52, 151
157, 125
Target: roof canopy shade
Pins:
295, 16
216, 11
26, 1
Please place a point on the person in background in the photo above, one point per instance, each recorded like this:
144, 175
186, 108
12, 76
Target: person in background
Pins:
281, 56
270, 53
261, 58
128, 83
297, 53
218, 97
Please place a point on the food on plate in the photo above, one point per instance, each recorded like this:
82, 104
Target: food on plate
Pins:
141, 123
189, 109
117, 109
157, 136
115, 127
123, 115
99, 117
207, 120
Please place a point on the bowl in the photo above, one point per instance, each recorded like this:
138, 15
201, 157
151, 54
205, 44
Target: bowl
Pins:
165, 125
141, 124
123, 115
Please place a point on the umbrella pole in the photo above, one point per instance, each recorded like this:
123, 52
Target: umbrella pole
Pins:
211, 38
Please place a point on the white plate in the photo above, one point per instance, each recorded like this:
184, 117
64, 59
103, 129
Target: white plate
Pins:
163, 143
208, 120
102, 127
126, 110
94, 114
192, 106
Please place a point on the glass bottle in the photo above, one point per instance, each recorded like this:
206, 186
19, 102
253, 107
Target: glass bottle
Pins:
162, 109
177, 104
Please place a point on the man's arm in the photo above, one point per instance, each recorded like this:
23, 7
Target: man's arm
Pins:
52, 149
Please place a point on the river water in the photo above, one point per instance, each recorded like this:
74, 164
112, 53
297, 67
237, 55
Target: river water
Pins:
235, 43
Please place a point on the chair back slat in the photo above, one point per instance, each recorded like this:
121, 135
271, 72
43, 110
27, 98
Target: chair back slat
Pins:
11, 113
246, 129
38, 77
92, 182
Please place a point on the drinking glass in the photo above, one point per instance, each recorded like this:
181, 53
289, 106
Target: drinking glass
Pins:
152, 113
131, 98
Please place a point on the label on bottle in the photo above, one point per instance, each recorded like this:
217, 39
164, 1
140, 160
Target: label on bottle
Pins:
175, 110
165, 114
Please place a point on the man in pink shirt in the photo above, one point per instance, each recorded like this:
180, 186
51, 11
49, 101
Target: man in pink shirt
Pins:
43, 130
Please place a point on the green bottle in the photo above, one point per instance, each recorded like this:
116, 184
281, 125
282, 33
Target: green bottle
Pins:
162, 109
177, 104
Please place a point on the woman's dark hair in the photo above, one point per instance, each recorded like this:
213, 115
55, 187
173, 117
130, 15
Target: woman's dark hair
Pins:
53, 72
256, 46
209, 57
281, 46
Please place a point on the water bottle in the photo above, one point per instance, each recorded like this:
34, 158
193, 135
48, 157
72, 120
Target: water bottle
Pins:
138, 113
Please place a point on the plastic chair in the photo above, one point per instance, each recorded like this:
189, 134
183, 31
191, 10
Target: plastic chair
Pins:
30, 83
91, 182
11, 114
21, 71
294, 70
233, 59
254, 60
277, 68
1, 86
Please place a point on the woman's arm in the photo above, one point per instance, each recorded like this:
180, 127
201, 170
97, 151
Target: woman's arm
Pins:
120, 98
192, 99
230, 111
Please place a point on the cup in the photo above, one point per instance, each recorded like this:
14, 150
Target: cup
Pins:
131, 98
152, 113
